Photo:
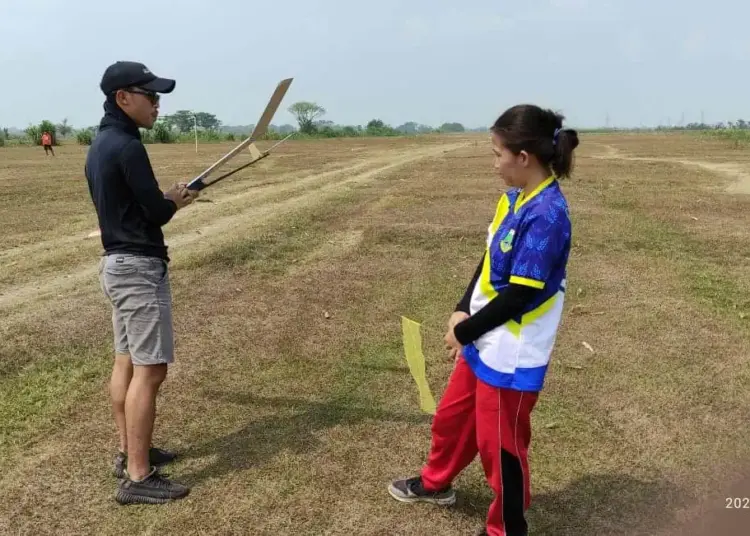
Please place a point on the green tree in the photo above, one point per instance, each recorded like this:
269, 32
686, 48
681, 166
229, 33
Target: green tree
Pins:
452, 127
162, 133
410, 127
35, 136
85, 136
306, 113
207, 121
63, 128
376, 127
182, 119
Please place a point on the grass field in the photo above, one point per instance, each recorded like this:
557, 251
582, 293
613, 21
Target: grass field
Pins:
290, 401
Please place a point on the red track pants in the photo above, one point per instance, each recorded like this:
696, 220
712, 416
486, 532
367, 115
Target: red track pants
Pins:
472, 417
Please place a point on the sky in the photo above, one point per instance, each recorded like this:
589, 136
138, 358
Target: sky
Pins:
629, 62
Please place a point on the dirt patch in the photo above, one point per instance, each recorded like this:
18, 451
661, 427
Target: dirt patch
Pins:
258, 212
738, 173
339, 244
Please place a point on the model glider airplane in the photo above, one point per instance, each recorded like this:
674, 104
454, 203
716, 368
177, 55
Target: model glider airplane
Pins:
202, 181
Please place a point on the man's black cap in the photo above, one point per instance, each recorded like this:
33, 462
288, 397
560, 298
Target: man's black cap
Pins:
124, 74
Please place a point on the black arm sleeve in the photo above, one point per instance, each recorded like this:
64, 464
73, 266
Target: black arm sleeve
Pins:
463, 305
506, 305
139, 176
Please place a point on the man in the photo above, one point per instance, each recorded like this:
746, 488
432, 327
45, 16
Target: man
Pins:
47, 143
134, 273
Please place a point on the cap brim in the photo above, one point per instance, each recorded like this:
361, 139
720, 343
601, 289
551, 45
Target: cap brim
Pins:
159, 85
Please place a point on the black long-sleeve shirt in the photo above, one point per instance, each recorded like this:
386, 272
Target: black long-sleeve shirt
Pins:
130, 206
506, 305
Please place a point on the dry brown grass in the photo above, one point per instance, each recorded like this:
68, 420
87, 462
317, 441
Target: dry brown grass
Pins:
291, 421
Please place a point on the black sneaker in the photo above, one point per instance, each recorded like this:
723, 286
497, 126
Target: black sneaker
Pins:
483, 532
156, 488
156, 457
411, 491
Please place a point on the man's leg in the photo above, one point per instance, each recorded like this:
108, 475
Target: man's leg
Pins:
139, 287
454, 443
140, 410
504, 432
122, 372
143, 483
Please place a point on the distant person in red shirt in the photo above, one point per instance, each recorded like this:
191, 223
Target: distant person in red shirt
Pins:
47, 143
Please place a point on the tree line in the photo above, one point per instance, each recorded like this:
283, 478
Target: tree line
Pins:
740, 124
182, 125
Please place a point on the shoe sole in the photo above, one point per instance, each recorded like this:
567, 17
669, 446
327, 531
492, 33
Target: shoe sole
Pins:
125, 498
443, 501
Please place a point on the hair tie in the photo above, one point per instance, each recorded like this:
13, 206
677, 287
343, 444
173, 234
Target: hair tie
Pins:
556, 135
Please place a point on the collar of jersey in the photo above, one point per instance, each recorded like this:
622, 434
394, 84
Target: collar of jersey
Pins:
522, 201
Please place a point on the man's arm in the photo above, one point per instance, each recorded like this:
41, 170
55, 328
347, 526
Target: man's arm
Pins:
139, 176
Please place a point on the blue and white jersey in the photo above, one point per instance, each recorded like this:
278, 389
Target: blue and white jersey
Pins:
528, 243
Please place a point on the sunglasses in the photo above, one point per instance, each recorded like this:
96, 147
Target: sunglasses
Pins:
150, 95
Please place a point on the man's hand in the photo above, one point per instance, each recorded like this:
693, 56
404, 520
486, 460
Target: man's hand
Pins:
453, 346
192, 194
180, 195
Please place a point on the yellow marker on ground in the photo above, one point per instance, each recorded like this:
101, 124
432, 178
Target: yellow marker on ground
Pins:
416, 361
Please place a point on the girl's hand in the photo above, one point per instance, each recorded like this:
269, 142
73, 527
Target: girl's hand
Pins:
454, 347
456, 318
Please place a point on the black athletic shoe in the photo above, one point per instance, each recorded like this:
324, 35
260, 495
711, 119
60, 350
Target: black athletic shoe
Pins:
411, 491
156, 488
160, 457
483, 532
156, 457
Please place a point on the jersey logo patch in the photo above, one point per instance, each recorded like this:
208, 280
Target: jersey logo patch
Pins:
506, 244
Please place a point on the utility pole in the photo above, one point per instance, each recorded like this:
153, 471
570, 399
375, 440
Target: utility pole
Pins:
195, 130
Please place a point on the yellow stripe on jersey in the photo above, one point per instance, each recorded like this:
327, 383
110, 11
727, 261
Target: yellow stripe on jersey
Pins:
485, 285
532, 315
526, 282
515, 328
521, 201
500, 212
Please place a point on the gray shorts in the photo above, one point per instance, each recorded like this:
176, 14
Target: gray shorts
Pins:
138, 289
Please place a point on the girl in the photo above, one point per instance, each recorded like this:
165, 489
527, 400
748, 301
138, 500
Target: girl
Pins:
503, 330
